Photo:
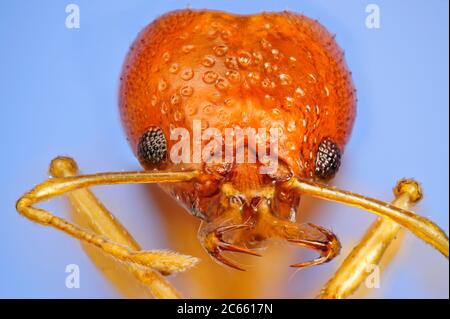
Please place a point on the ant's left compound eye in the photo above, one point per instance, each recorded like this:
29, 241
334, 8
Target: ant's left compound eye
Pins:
328, 159
152, 147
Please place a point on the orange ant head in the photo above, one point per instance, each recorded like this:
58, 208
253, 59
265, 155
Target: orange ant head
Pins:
213, 70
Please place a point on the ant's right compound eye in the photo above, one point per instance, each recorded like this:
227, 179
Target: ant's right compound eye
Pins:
152, 148
328, 159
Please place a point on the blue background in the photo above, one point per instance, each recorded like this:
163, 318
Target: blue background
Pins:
58, 95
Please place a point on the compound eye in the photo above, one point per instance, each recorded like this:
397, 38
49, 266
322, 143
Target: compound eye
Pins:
152, 148
328, 159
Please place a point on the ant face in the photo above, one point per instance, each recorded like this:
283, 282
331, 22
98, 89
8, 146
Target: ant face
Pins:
217, 71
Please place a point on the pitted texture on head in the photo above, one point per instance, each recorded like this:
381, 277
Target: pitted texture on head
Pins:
280, 70
328, 159
152, 147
